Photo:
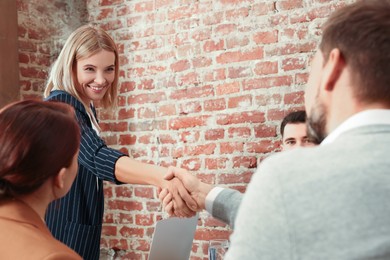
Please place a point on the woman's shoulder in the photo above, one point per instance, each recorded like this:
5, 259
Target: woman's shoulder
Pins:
63, 96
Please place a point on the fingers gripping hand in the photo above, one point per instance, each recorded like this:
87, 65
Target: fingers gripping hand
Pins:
166, 199
182, 201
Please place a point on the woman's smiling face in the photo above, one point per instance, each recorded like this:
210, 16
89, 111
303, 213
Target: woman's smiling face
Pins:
95, 75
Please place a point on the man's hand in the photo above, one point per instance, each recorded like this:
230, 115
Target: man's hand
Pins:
197, 189
182, 203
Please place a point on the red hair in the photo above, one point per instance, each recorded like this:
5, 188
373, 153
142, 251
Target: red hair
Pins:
37, 139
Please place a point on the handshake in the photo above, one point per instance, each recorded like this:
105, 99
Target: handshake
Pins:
184, 195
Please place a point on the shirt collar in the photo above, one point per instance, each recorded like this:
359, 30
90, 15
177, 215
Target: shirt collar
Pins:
364, 118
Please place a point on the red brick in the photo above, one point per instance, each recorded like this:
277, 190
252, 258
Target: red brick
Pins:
215, 163
146, 139
124, 205
152, 206
205, 234
210, 46
293, 64
201, 62
266, 37
189, 108
263, 131
187, 122
109, 230
182, 12
229, 57
105, 13
194, 92
127, 139
144, 192
146, 112
189, 136
263, 8
201, 34
110, 2
240, 101
225, 29
126, 113
213, 18
144, 220
132, 232
246, 162
145, 6
124, 218
166, 110
240, 13
240, 72
291, 48
267, 67
227, 88
264, 146
123, 191
192, 164
236, 132
200, 149
243, 117
214, 134
118, 244
190, 78
232, 147
33, 73
289, 4
301, 78
215, 104
244, 177
146, 84
212, 222
180, 66
238, 41
146, 98
294, 98
267, 82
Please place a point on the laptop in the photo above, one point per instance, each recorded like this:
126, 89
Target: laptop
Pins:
172, 238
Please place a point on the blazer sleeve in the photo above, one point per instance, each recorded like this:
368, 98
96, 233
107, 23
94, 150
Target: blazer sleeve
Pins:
94, 153
226, 204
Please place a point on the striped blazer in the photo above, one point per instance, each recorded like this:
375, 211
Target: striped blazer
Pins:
76, 219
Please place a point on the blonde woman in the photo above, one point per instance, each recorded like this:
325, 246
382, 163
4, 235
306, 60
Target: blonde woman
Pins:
87, 71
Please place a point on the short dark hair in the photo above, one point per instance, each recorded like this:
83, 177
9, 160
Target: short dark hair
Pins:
361, 31
296, 117
37, 139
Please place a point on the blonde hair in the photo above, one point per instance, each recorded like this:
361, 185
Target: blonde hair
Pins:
84, 42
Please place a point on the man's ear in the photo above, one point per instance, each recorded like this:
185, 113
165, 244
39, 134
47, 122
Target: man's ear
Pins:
59, 179
333, 68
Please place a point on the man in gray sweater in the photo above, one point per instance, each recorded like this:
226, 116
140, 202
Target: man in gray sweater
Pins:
329, 201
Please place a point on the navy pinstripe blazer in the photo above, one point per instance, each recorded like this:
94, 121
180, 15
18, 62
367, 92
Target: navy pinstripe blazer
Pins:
76, 219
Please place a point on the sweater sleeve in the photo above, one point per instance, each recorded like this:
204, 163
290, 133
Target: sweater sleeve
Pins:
226, 205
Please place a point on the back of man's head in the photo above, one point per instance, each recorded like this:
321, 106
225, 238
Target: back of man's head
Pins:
361, 32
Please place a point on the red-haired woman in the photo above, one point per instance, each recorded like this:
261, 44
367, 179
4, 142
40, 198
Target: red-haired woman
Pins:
39, 144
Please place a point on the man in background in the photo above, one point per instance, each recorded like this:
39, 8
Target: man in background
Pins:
294, 131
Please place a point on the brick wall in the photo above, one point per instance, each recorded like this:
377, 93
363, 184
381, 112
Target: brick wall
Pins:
204, 86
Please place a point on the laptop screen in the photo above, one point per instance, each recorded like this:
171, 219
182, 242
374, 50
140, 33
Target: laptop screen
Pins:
172, 238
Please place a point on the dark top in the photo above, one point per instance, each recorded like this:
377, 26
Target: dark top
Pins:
76, 219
